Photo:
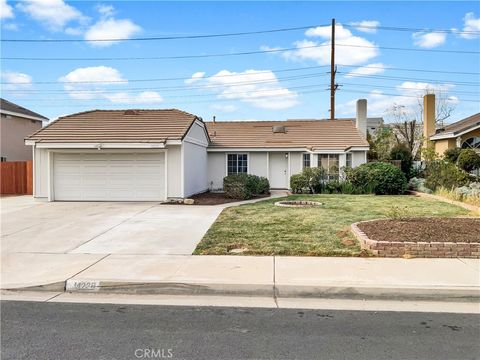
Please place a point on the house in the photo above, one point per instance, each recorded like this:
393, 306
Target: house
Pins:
16, 124
153, 155
463, 134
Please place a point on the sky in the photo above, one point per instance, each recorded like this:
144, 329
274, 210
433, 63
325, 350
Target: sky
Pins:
287, 77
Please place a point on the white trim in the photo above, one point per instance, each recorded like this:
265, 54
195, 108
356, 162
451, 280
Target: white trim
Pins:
118, 151
50, 185
268, 165
358, 148
34, 187
287, 178
174, 142
453, 135
194, 141
22, 115
100, 145
237, 153
245, 150
182, 171
165, 166
30, 142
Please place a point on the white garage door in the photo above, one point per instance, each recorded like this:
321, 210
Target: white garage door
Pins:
109, 176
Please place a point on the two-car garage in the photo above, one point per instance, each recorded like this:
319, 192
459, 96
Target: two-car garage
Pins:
99, 176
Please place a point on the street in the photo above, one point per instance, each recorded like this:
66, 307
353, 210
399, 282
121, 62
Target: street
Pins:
38, 330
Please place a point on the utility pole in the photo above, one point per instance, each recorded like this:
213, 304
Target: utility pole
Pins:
333, 70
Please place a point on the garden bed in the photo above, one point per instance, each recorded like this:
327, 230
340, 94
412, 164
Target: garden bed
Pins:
420, 237
216, 198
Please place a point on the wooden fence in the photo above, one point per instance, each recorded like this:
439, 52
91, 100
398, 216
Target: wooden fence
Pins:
16, 178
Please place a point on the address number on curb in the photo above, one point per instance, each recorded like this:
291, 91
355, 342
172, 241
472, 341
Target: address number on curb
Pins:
82, 285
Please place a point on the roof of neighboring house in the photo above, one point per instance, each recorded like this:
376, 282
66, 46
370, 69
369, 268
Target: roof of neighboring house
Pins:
311, 134
118, 126
455, 129
9, 107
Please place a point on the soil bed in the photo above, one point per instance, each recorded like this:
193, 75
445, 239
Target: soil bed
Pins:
466, 230
210, 198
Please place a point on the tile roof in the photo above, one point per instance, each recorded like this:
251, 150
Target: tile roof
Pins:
461, 125
11, 107
118, 126
312, 134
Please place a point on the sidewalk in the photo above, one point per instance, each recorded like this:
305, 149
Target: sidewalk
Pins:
307, 277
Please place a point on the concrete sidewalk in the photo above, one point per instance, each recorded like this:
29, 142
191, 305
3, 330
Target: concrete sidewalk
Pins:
315, 277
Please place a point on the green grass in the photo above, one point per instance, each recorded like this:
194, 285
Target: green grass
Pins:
265, 229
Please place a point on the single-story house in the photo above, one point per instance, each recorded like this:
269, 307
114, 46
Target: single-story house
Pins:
154, 155
462, 134
16, 123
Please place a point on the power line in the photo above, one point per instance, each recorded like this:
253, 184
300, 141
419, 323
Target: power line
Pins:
410, 69
425, 30
443, 81
157, 38
410, 88
179, 57
398, 95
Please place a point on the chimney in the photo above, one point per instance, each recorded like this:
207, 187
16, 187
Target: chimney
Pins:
361, 117
428, 119
214, 118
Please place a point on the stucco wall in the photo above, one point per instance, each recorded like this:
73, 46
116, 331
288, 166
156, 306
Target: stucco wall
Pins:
215, 170
174, 169
296, 163
442, 145
195, 163
258, 163
40, 173
13, 131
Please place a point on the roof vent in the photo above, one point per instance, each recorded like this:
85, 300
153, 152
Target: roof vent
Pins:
279, 130
130, 112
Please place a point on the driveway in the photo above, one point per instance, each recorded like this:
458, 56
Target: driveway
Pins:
102, 227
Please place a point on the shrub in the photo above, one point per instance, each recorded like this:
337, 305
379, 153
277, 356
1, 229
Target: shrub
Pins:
401, 152
468, 160
316, 178
245, 186
451, 155
418, 184
299, 183
440, 173
382, 178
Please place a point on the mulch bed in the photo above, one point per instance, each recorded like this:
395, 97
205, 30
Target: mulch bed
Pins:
424, 230
210, 198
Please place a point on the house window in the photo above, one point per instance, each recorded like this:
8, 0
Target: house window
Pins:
306, 160
3, 158
472, 143
348, 162
237, 163
330, 163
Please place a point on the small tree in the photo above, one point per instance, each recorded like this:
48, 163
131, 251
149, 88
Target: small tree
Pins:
402, 153
468, 160
380, 143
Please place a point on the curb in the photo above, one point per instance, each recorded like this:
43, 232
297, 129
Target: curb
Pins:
320, 291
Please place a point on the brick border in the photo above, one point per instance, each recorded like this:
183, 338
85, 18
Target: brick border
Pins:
415, 249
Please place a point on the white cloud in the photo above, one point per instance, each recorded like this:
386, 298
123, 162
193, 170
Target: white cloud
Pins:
110, 28
366, 26
145, 97
95, 82
195, 77
371, 69
18, 81
429, 40
229, 108
470, 24
259, 88
6, 11
361, 50
53, 14
10, 26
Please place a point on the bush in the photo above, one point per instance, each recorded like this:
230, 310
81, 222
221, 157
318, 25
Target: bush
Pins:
316, 178
468, 160
381, 178
245, 186
418, 184
451, 155
440, 173
401, 152
299, 183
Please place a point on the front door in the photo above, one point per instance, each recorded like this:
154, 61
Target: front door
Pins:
278, 168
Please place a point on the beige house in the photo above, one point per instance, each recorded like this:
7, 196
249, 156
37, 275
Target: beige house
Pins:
16, 124
154, 155
462, 134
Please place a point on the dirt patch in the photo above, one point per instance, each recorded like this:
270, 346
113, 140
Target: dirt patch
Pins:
210, 198
466, 230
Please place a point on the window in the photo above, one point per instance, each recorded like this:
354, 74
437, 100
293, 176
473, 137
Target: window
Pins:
348, 162
330, 163
472, 143
3, 158
237, 163
306, 160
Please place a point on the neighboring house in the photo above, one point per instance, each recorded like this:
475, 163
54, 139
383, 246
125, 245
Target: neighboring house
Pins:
154, 155
373, 124
463, 134
16, 124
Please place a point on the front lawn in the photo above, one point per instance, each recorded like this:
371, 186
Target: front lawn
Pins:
265, 229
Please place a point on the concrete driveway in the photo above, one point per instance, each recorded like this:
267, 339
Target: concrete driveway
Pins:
102, 227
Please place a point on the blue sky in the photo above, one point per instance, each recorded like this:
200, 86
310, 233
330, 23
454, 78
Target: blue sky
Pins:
272, 85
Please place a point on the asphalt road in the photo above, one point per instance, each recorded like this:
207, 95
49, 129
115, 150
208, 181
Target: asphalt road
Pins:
35, 330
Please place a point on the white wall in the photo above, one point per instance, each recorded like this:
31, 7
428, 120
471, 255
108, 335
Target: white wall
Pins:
358, 158
174, 171
296, 163
216, 168
195, 164
40, 173
258, 163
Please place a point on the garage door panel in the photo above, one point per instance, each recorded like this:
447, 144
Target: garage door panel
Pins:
109, 176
